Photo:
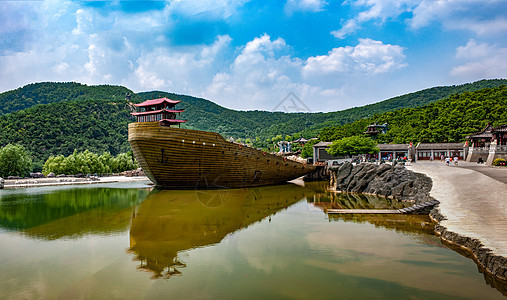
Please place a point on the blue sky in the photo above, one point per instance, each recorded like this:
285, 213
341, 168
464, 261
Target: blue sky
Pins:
250, 54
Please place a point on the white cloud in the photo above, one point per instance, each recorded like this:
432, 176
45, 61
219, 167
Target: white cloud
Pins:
427, 11
218, 8
490, 27
377, 10
480, 61
185, 69
260, 73
452, 14
264, 73
304, 5
349, 27
369, 57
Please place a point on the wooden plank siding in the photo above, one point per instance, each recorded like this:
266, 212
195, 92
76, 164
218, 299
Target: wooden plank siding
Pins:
199, 159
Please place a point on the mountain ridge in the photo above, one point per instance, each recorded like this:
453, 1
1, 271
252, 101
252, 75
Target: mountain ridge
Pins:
68, 116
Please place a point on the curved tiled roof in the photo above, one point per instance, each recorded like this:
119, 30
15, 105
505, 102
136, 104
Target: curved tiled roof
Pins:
157, 101
485, 133
440, 146
501, 128
387, 147
152, 112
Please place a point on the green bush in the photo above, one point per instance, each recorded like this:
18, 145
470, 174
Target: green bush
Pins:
14, 160
353, 145
87, 162
499, 162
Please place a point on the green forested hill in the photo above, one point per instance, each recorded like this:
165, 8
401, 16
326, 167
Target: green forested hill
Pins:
57, 128
56, 118
448, 120
51, 92
205, 115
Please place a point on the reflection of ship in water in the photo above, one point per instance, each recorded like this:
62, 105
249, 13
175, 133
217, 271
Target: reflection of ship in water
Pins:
168, 222
401, 222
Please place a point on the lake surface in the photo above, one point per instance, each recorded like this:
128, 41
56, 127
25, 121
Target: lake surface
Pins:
130, 241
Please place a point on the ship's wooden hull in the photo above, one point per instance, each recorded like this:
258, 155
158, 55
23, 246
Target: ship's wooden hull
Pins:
183, 158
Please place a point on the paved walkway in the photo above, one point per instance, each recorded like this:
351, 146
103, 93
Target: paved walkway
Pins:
474, 202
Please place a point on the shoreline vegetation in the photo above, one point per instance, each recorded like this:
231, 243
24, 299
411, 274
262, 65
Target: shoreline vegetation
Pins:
69, 180
16, 163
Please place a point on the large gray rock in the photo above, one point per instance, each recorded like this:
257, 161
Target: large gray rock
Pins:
384, 180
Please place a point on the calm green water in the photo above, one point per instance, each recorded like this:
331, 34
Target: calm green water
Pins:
129, 241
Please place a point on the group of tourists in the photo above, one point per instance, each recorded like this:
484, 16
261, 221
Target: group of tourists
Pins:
448, 160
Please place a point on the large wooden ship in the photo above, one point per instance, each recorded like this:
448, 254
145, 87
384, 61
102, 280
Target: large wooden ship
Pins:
174, 157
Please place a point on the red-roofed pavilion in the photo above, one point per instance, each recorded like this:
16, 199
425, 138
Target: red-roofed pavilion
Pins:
162, 110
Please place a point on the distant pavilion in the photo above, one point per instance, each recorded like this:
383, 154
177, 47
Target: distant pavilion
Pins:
375, 129
162, 110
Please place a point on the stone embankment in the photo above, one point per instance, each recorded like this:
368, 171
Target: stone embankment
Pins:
384, 180
402, 184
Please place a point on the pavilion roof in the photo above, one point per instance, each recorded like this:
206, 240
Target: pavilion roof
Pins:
172, 121
501, 128
485, 133
439, 146
301, 140
157, 101
387, 147
323, 144
168, 122
152, 112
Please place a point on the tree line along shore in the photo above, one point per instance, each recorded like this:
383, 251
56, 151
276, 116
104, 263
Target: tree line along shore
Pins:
16, 161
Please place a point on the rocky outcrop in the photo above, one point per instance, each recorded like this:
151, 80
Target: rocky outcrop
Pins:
384, 180
133, 173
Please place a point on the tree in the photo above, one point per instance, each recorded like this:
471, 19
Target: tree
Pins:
87, 162
353, 145
14, 160
308, 148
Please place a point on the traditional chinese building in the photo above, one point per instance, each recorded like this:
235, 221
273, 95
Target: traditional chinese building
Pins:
395, 151
301, 141
162, 110
498, 145
434, 151
482, 138
478, 144
320, 154
488, 144
374, 129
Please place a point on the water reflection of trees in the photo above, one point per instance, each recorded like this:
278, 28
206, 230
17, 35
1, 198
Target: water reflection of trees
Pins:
169, 222
69, 212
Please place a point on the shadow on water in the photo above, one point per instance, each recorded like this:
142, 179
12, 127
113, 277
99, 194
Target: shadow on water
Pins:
169, 222
324, 199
